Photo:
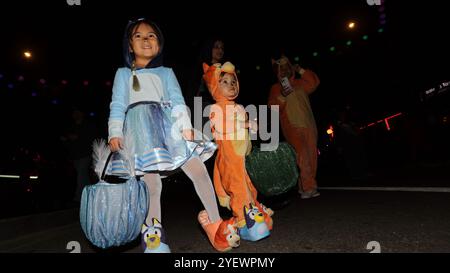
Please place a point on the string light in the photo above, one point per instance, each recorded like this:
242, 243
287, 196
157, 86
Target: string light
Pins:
351, 25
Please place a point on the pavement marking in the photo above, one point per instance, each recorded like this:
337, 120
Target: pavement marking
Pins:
408, 189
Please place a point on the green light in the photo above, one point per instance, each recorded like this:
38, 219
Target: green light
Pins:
349, 43
380, 30
332, 49
365, 37
315, 54
258, 67
297, 59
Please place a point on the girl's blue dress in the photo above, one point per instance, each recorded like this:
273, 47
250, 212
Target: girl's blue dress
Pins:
153, 118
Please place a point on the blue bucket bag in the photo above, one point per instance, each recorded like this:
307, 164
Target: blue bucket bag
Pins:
113, 210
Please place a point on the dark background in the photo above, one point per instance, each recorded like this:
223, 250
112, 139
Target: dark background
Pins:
383, 75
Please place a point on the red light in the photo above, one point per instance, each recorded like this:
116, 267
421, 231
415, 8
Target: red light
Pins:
393, 116
330, 131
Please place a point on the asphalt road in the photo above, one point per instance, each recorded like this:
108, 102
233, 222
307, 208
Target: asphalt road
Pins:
335, 222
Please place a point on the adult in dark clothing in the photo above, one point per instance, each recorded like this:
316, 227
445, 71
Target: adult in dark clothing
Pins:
78, 140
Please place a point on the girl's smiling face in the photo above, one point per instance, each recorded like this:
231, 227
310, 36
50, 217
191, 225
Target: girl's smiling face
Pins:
144, 44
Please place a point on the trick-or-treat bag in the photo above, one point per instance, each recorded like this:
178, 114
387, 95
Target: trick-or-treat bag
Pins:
113, 210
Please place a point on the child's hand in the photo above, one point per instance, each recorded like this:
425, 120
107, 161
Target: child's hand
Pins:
253, 126
115, 144
299, 69
188, 134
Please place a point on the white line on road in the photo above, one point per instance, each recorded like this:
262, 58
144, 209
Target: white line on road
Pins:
410, 189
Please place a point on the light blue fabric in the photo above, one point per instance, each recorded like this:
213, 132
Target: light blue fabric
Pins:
157, 146
112, 214
120, 97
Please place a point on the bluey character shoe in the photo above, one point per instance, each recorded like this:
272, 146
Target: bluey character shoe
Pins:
154, 238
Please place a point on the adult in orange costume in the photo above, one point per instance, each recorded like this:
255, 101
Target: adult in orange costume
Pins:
229, 125
297, 120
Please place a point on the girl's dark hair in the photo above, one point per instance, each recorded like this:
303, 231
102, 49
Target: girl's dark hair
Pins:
128, 56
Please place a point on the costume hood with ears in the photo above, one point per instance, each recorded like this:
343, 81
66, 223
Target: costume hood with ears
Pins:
282, 61
212, 76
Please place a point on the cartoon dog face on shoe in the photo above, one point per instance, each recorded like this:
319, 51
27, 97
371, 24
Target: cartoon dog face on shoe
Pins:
256, 227
253, 216
227, 235
153, 237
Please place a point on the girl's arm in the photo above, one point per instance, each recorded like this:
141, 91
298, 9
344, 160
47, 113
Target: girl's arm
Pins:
119, 104
179, 109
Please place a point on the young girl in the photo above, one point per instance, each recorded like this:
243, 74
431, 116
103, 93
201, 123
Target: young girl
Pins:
147, 107
229, 124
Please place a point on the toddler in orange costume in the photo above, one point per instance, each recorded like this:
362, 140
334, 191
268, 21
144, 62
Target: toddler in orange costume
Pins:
229, 125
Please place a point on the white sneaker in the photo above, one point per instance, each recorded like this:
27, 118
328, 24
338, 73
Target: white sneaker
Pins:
309, 194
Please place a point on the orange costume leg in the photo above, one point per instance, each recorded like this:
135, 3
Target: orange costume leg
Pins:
231, 179
304, 141
264, 210
222, 195
242, 194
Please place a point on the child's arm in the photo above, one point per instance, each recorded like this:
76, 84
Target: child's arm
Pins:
216, 120
250, 124
276, 98
179, 108
309, 80
118, 106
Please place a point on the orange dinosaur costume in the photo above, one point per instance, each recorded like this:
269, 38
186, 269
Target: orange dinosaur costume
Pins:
232, 184
297, 122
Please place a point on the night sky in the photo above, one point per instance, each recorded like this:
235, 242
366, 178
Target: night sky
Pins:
378, 77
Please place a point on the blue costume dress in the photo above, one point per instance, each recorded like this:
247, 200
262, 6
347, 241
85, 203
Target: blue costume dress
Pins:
153, 118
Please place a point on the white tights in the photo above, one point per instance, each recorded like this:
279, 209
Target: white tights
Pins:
196, 171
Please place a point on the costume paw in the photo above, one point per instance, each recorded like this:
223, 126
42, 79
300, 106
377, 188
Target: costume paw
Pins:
225, 201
